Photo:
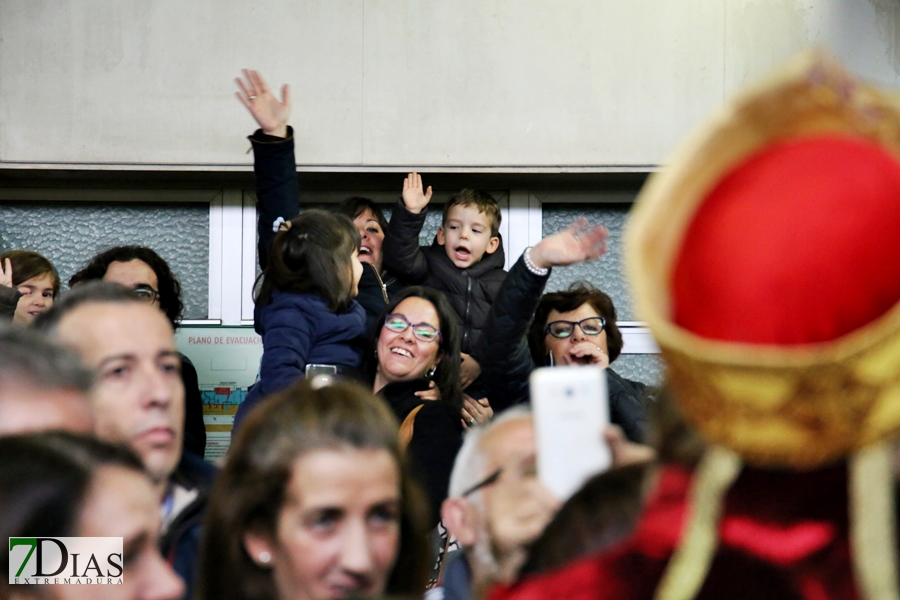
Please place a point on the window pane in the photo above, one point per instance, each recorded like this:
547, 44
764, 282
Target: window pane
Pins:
71, 233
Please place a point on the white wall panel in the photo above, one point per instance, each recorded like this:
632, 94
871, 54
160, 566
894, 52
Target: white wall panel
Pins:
761, 34
505, 82
596, 84
151, 82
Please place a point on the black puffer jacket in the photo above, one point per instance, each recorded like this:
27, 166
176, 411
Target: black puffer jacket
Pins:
508, 364
470, 291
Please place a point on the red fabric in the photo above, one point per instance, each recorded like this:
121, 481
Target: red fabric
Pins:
798, 244
778, 539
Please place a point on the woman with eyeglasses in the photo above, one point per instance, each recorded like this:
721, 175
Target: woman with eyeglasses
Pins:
578, 327
417, 343
572, 327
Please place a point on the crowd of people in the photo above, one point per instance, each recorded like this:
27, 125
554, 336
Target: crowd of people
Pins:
378, 362
388, 446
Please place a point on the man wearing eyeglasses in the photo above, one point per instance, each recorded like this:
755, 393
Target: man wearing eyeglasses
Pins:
149, 277
497, 507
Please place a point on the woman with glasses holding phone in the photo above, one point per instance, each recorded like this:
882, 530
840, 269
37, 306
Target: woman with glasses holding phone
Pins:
573, 327
576, 327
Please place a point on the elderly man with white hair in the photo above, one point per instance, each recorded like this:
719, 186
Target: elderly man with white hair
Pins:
497, 506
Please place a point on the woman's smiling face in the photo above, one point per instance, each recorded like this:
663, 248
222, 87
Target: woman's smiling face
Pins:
402, 356
371, 238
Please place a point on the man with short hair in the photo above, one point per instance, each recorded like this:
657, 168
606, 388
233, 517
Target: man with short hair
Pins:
42, 386
142, 270
139, 400
496, 505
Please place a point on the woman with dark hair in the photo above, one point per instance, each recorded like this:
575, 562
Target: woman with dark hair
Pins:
315, 502
66, 485
277, 192
594, 340
573, 327
148, 275
31, 282
417, 343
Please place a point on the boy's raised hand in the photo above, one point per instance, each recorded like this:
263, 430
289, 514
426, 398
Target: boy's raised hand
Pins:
577, 243
271, 114
414, 197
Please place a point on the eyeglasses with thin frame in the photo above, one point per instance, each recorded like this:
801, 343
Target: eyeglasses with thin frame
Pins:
564, 329
526, 468
146, 294
490, 479
421, 331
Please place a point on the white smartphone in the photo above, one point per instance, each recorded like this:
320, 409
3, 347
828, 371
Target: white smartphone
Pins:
571, 409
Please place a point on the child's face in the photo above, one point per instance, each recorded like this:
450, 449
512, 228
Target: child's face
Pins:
466, 236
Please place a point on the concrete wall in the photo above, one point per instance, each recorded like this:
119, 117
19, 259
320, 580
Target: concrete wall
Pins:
596, 84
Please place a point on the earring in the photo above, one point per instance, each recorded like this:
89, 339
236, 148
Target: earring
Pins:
431, 372
264, 557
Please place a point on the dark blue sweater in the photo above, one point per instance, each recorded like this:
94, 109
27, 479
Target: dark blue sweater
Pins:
300, 329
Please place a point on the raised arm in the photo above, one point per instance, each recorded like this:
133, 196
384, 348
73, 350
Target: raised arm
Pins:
277, 189
270, 113
402, 254
507, 363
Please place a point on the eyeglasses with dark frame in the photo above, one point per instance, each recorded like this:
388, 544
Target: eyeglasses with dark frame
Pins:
490, 479
146, 294
564, 329
397, 323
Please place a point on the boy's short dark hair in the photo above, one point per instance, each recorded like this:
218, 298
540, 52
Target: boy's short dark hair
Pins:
483, 201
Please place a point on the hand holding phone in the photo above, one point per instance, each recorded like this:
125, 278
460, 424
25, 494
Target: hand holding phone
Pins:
571, 410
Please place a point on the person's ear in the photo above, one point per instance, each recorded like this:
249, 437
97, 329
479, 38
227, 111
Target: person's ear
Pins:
260, 548
459, 517
440, 236
493, 245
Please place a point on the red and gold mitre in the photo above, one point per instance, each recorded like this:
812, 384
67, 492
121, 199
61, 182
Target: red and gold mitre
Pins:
766, 260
